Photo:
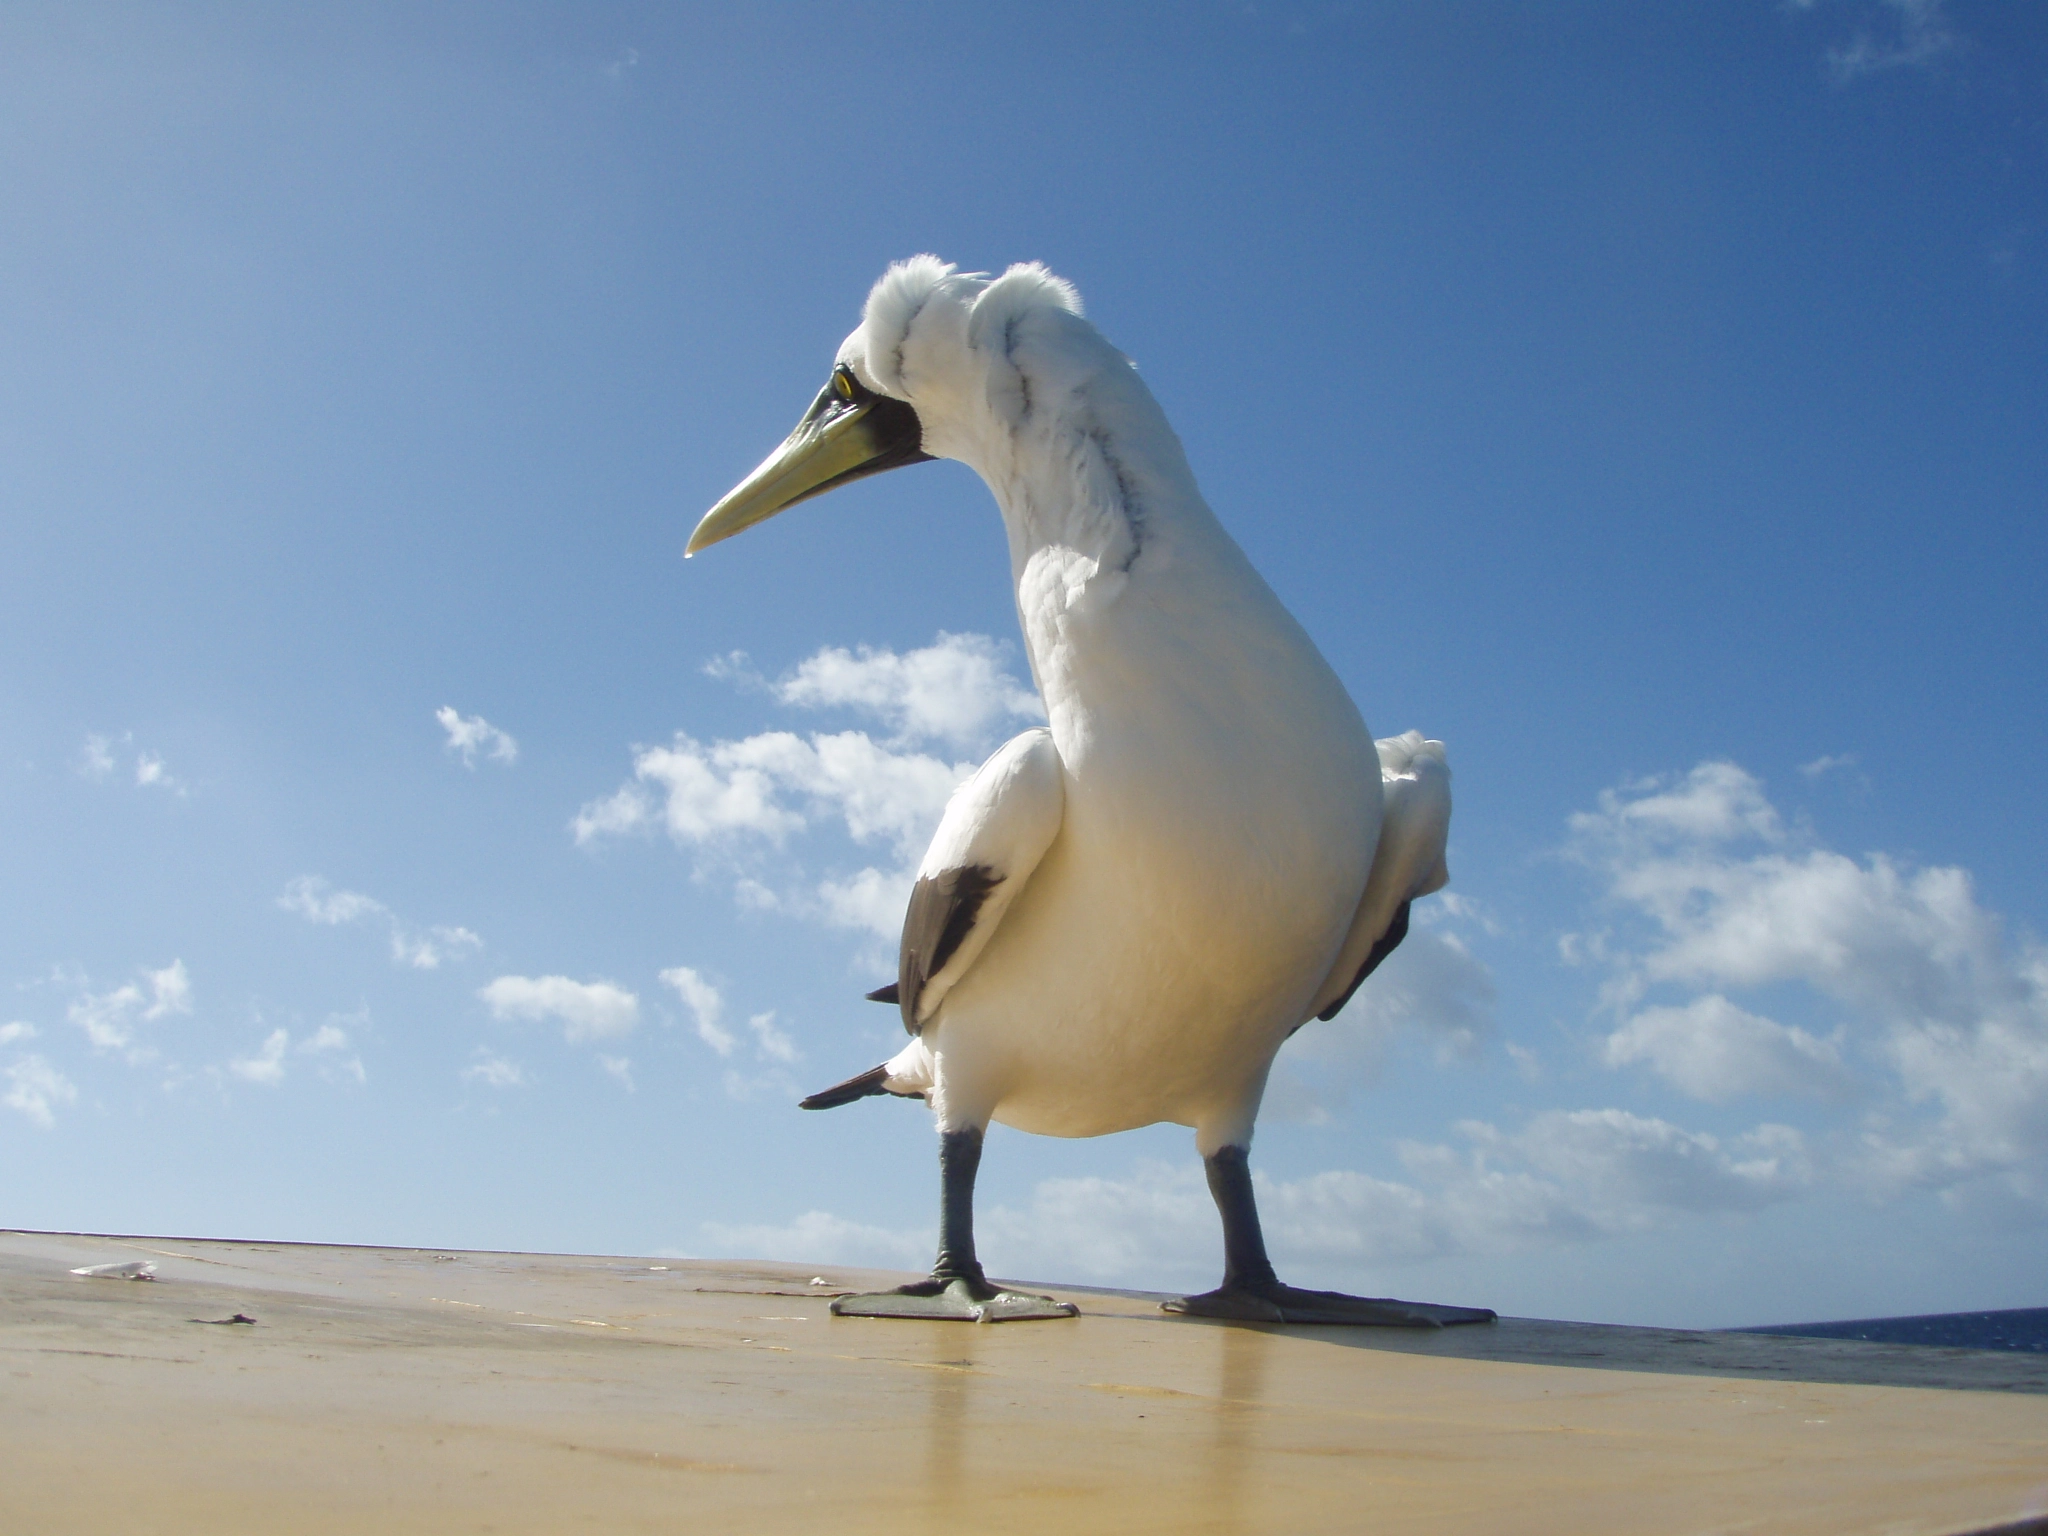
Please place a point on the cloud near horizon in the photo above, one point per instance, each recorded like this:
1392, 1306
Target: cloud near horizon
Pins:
1565, 1176
1931, 1071
1939, 1018
1738, 961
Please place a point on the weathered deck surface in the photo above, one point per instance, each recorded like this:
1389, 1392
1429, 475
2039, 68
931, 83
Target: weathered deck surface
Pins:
399, 1390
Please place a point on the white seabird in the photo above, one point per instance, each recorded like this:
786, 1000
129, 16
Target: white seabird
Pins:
1126, 912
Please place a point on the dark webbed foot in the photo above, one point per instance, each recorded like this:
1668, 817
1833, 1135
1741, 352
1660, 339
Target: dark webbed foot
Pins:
957, 1289
1252, 1293
1278, 1303
960, 1298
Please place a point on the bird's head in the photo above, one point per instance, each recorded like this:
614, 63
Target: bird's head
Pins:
943, 365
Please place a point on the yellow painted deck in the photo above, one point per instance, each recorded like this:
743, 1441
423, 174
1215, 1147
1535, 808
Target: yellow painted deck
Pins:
397, 1391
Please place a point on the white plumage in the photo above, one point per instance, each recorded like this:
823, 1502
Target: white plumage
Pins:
1125, 913
1002, 820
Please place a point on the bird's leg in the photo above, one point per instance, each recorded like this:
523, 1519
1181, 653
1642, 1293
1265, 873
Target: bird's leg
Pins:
1245, 1265
959, 1162
957, 1288
1251, 1292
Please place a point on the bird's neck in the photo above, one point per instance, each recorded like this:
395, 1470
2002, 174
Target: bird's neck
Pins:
1079, 521
1102, 512
1093, 482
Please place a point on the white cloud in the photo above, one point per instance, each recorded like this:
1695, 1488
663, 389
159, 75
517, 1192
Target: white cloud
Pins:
20, 1029
707, 1011
1828, 763
772, 1043
327, 1045
1432, 987
1159, 1221
743, 801
96, 758
493, 1070
872, 901
587, 1010
752, 896
737, 799
1460, 907
957, 690
109, 1019
773, 1085
1917, 33
266, 1066
768, 787
1712, 1050
1623, 1171
1717, 895
1567, 1176
1715, 802
619, 1067
627, 809
705, 1005
426, 952
469, 735
1564, 1177
313, 899
705, 793
101, 755
35, 1089
150, 770
817, 1237
170, 991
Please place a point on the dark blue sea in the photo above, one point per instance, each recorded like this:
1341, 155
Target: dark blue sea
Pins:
2023, 1328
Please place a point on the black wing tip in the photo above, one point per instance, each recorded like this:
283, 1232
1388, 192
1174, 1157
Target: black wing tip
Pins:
861, 1087
1397, 930
892, 994
942, 912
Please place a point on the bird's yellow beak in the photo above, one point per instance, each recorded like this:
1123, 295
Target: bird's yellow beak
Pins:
849, 431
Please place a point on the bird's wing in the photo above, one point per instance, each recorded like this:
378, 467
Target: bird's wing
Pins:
1415, 784
996, 828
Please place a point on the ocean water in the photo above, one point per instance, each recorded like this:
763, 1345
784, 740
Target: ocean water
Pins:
2023, 1328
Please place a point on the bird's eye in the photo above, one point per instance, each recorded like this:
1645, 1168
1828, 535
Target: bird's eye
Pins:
843, 383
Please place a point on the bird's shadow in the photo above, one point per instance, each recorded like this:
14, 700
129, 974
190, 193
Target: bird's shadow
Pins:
1663, 1351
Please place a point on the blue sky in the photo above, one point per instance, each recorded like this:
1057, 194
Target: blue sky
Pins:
1645, 400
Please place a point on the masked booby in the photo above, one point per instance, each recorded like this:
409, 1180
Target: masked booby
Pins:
1125, 912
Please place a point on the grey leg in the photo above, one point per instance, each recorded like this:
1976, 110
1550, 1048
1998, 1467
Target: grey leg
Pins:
1251, 1292
959, 1162
1245, 1265
957, 1288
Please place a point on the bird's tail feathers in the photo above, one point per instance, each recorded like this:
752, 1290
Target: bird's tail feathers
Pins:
866, 1085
